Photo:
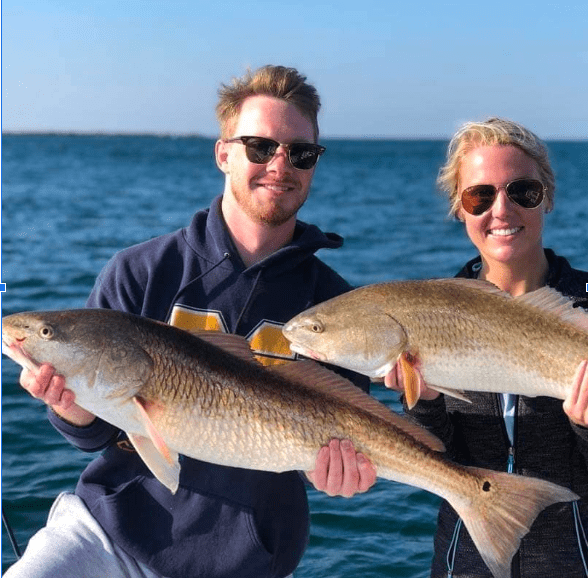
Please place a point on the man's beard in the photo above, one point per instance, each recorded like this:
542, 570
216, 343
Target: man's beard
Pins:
272, 214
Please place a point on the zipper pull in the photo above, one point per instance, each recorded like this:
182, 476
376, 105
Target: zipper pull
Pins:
511, 460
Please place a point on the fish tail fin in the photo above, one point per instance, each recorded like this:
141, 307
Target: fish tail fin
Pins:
503, 513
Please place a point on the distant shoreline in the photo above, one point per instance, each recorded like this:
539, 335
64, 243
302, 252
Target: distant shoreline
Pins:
102, 133
212, 137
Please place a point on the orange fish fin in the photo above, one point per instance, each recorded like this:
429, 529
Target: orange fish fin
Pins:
168, 473
502, 511
233, 344
411, 379
154, 434
318, 378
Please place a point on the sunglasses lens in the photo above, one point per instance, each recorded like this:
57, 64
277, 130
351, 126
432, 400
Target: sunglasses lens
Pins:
528, 193
260, 150
304, 156
478, 199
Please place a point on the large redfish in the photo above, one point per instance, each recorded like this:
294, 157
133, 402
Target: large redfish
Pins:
204, 397
456, 334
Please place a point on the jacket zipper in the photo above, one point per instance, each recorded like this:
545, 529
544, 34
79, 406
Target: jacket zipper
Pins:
510, 465
510, 468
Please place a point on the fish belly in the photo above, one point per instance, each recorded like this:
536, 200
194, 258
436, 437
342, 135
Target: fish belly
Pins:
489, 371
245, 443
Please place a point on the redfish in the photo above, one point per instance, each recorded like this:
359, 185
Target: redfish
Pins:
456, 334
205, 397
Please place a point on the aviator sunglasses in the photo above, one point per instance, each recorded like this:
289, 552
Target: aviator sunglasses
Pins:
527, 193
260, 150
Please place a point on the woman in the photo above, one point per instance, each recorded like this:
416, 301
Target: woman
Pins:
500, 185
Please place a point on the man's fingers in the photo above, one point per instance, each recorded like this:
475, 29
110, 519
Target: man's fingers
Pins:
340, 471
348, 480
367, 473
45, 385
335, 472
318, 476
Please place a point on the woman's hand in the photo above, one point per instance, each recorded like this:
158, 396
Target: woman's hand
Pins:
394, 380
576, 403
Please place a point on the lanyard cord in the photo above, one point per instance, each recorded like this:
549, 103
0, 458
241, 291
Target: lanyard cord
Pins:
581, 535
452, 551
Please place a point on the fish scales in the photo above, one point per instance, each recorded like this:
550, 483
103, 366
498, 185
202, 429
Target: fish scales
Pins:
203, 396
464, 334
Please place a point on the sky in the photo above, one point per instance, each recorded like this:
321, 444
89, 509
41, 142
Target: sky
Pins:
383, 68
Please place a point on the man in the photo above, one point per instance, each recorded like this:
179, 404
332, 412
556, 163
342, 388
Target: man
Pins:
244, 266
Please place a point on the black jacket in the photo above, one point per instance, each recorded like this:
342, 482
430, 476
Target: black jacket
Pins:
547, 445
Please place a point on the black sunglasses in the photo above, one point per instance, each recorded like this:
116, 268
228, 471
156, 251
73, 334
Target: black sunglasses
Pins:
259, 150
527, 193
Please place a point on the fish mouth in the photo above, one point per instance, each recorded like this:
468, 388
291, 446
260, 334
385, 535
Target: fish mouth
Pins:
12, 347
296, 348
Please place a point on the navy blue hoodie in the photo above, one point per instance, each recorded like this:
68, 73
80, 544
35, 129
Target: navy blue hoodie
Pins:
222, 522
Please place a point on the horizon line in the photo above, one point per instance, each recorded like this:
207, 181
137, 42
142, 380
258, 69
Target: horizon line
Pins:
165, 134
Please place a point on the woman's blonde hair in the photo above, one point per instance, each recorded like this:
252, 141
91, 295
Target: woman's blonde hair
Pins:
494, 131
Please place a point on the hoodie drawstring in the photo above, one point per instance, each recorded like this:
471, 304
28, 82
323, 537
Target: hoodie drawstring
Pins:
248, 300
184, 287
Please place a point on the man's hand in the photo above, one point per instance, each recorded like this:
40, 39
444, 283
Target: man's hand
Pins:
576, 403
340, 471
44, 384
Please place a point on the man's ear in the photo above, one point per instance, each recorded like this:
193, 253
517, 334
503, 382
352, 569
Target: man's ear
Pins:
221, 153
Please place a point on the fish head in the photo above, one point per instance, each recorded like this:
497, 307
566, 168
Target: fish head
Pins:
359, 337
92, 354
33, 338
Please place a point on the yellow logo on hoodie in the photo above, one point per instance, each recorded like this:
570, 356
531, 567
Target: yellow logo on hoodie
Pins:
266, 339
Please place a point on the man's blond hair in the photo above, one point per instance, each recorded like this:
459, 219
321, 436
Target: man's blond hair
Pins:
277, 81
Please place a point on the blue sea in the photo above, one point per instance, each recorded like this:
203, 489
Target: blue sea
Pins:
69, 202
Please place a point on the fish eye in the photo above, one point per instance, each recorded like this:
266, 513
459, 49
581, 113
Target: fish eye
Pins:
316, 327
46, 332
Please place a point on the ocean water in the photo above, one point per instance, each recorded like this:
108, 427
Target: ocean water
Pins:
69, 202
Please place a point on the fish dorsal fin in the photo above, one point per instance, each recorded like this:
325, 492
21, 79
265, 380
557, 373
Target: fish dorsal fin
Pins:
233, 344
479, 284
545, 299
317, 377
551, 301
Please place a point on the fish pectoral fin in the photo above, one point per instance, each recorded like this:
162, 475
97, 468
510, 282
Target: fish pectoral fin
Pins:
411, 379
167, 472
154, 435
457, 393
